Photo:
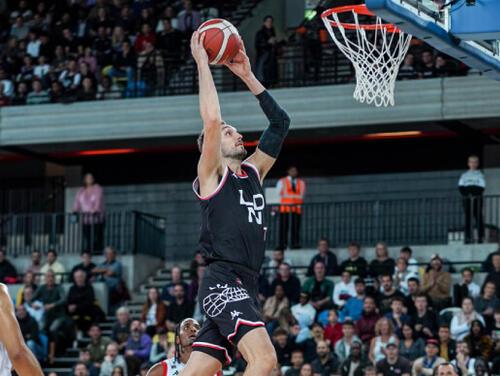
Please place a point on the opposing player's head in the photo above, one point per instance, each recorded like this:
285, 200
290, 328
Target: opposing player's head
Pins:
185, 335
232, 146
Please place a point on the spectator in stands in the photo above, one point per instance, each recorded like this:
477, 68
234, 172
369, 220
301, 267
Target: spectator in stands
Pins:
180, 308
319, 288
304, 313
102, 47
86, 265
424, 319
410, 346
30, 331
402, 275
384, 335
487, 264
97, 345
145, 36
19, 30
274, 306
343, 290
461, 322
21, 94
80, 303
463, 361
487, 302
70, 77
354, 306
382, 264
89, 203
365, 326
396, 316
355, 363
84, 358
292, 190
344, 345
297, 361
479, 343
52, 296
54, 265
387, 294
447, 345
80, 369
167, 293
8, 273
290, 283
112, 359
393, 364
466, 288
154, 312
427, 69
326, 256
56, 92
34, 307
159, 350
333, 329
283, 346
4, 99
151, 69
426, 364
437, 284
407, 70
413, 291
170, 41
355, 264
441, 67
110, 271
121, 328
494, 274
471, 186
87, 91
275, 262
188, 19
37, 95
107, 89
325, 363
266, 48
28, 281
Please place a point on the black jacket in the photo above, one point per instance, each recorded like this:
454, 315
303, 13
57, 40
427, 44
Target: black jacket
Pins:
330, 261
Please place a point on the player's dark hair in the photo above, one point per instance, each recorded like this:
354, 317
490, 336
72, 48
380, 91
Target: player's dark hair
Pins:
177, 344
201, 137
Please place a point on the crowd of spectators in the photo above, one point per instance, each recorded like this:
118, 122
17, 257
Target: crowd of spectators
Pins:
348, 316
86, 50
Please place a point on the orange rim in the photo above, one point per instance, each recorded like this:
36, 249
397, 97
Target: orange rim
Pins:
359, 9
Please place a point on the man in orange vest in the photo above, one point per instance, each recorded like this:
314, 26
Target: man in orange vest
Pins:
291, 190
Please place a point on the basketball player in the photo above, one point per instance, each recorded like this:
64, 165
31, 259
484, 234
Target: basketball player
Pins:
185, 334
13, 351
229, 188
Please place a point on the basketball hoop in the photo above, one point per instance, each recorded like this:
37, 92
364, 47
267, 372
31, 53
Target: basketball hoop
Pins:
376, 50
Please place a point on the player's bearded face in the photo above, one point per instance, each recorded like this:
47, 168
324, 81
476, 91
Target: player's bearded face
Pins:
189, 331
232, 146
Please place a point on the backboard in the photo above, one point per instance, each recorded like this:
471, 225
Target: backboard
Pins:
467, 30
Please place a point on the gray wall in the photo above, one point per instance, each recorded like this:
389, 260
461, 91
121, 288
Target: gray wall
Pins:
176, 201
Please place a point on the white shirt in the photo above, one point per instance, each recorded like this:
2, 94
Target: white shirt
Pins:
472, 178
474, 290
33, 48
342, 288
5, 364
41, 70
471, 362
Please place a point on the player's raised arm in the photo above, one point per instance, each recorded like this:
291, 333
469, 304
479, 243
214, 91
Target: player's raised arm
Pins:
272, 139
23, 360
209, 166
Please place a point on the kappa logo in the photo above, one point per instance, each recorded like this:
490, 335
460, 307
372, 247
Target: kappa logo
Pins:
235, 314
254, 207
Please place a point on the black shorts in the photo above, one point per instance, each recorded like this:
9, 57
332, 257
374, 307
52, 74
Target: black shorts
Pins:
228, 299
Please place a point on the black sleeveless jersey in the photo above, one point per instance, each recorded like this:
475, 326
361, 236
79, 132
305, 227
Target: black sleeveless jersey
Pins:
232, 219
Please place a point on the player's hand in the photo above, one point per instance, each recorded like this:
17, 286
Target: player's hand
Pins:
240, 65
197, 50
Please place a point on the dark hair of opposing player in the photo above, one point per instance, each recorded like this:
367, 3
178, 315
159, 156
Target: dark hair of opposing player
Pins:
177, 343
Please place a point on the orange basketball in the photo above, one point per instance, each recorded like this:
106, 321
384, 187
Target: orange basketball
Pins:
222, 41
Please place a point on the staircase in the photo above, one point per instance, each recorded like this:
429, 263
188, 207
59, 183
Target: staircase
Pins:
63, 364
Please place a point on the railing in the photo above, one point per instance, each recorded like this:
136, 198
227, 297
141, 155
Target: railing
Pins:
127, 232
432, 220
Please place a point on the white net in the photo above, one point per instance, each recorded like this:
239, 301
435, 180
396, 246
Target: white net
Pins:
376, 55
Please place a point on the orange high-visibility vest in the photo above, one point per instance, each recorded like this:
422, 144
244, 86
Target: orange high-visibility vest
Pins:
292, 200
